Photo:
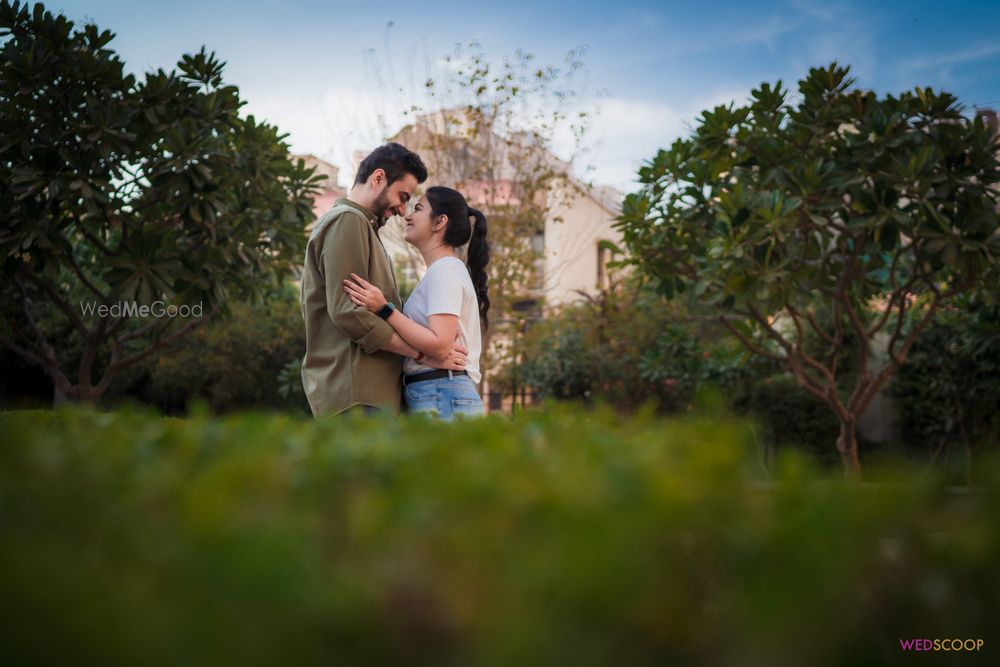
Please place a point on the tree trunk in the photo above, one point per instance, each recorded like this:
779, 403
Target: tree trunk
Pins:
76, 395
847, 445
87, 397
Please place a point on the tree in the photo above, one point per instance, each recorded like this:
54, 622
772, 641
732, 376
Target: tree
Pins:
489, 128
877, 209
624, 346
117, 191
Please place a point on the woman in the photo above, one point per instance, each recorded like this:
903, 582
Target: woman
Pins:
449, 302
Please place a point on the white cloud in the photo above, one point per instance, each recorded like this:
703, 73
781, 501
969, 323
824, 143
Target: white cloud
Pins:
626, 133
334, 122
968, 54
330, 123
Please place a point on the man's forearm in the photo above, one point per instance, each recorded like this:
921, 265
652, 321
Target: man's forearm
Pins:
399, 346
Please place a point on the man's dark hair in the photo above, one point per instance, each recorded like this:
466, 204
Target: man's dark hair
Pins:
396, 160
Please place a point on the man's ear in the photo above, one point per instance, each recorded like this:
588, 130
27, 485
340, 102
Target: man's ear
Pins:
378, 177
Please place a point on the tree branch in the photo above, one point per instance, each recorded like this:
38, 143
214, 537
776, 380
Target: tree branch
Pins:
891, 368
57, 299
813, 323
96, 241
27, 354
89, 285
791, 360
118, 361
881, 322
753, 347
827, 373
42, 352
141, 331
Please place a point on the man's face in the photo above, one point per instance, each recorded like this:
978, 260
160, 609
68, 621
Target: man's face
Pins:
392, 200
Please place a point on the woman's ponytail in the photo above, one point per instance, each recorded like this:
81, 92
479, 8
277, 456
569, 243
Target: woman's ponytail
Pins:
479, 257
466, 225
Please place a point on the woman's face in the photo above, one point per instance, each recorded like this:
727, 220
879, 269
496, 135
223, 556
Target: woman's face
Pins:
419, 225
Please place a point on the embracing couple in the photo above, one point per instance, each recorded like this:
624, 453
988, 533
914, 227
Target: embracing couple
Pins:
367, 351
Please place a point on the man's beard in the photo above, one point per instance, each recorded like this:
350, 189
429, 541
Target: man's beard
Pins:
381, 207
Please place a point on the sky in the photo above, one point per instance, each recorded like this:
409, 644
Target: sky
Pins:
323, 71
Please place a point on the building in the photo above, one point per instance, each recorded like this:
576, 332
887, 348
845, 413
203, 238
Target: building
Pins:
489, 169
330, 189
577, 216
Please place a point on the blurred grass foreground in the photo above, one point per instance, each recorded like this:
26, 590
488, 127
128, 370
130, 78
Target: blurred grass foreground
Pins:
556, 537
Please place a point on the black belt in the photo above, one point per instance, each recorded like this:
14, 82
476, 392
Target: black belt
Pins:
430, 375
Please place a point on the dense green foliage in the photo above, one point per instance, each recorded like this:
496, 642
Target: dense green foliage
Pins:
629, 346
948, 394
250, 359
118, 189
624, 347
835, 200
235, 363
554, 538
791, 417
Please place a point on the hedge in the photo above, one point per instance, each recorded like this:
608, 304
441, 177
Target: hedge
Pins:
556, 537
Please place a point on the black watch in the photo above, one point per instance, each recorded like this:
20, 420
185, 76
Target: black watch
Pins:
386, 311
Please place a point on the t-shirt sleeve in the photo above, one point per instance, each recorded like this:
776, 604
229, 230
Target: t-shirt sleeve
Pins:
444, 292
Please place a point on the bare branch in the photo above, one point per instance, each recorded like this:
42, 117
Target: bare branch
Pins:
96, 241
897, 332
119, 362
41, 354
825, 372
891, 368
812, 323
838, 340
753, 347
43, 346
896, 292
58, 300
827, 393
799, 335
27, 354
83, 278
141, 331
901, 295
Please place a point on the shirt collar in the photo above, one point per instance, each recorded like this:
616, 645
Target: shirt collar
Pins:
369, 216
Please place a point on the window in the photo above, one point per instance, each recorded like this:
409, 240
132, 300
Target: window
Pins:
604, 255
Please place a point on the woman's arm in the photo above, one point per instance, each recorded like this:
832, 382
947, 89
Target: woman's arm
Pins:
455, 361
435, 341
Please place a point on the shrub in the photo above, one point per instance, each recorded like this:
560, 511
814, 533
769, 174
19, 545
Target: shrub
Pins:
628, 346
234, 363
790, 416
559, 537
948, 394
624, 347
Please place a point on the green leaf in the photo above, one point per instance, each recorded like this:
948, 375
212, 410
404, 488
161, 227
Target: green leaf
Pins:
604, 244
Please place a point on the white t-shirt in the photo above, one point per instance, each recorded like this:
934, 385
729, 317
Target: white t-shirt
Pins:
446, 289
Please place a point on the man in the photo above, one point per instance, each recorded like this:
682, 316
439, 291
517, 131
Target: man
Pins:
354, 359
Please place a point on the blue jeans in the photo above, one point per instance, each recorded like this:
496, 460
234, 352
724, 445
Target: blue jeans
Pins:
446, 397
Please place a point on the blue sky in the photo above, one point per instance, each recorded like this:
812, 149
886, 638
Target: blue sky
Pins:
302, 65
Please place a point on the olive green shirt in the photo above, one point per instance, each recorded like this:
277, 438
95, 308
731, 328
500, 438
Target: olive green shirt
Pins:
345, 364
